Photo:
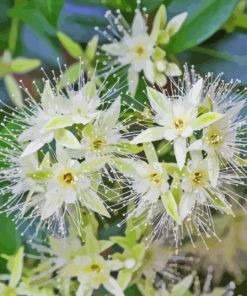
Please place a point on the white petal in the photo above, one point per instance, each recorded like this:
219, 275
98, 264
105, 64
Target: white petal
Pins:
187, 132
116, 49
213, 168
180, 151
175, 23
197, 145
149, 71
195, 92
112, 286
149, 135
111, 115
158, 101
139, 24
133, 79
52, 204
35, 146
170, 134
186, 204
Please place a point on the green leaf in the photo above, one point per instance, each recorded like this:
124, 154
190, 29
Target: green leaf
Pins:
202, 24
24, 65
11, 240
170, 205
73, 48
33, 17
13, 90
205, 120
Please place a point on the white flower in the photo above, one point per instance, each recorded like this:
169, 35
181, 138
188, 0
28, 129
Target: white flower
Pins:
49, 119
136, 48
69, 258
197, 189
224, 140
150, 186
71, 183
177, 119
102, 136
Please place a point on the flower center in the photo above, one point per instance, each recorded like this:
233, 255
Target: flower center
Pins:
198, 177
178, 123
214, 138
140, 50
155, 178
98, 144
68, 178
95, 267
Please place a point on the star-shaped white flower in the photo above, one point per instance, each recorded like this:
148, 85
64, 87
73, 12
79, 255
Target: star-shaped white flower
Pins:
177, 119
138, 49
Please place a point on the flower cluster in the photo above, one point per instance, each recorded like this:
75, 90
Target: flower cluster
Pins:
84, 153
70, 266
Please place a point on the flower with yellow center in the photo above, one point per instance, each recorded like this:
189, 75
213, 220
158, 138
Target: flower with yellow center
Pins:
138, 50
177, 119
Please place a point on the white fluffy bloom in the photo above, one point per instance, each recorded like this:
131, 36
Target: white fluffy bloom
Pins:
136, 48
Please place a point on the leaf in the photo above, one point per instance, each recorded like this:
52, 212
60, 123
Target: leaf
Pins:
73, 48
170, 205
24, 65
203, 23
13, 90
205, 120
11, 240
33, 17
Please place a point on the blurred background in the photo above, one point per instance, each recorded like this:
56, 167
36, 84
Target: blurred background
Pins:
213, 39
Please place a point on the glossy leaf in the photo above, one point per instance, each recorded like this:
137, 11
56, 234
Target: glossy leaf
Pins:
200, 25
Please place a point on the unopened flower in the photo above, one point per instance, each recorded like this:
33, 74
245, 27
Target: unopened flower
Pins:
138, 50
